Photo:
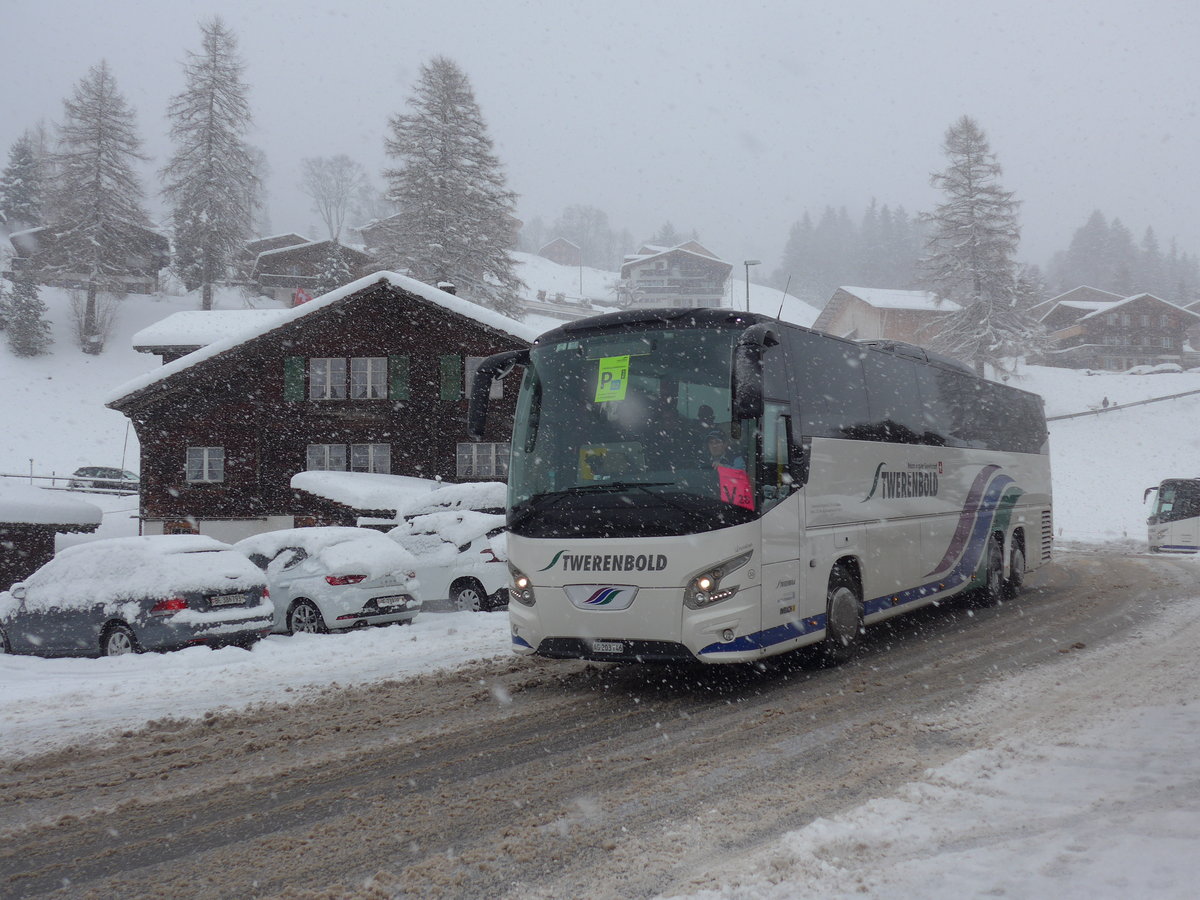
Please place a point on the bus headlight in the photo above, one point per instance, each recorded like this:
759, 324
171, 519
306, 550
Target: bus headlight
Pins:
705, 587
522, 587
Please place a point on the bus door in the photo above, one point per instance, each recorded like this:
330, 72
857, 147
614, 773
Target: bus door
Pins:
783, 586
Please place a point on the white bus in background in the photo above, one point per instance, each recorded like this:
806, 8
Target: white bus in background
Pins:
1174, 523
863, 480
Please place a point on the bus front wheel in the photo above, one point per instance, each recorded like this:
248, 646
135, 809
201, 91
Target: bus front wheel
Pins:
844, 619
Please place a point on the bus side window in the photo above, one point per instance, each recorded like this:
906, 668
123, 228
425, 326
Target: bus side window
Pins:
831, 396
894, 399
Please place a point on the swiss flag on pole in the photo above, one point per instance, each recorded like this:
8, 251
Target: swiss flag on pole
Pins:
301, 296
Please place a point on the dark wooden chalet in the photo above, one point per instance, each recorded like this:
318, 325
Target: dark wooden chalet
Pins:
39, 251
292, 273
563, 252
685, 276
30, 520
372, 377
1096, 333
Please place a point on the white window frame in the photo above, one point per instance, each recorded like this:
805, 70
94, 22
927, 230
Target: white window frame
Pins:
326, 378
368, 378
482, 460
371, 458
325, 458
204, 465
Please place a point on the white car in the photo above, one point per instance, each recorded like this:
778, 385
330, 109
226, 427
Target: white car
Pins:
461, 557
329, 578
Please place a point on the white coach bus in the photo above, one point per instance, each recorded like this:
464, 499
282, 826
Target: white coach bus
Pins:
1174, 523
704, 484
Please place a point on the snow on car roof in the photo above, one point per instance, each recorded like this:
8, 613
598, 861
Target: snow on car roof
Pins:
477, 495
115, 570
341, 549
456, 526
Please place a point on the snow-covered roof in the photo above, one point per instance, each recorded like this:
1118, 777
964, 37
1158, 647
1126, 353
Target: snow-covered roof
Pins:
1109, 307
634, 260
197, 328
365, 490
889, 298
24, 504
450, 302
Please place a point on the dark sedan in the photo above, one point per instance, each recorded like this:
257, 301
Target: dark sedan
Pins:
125, 595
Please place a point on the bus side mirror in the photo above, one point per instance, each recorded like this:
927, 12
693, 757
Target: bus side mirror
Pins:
495, 366
1148, 492
747, 401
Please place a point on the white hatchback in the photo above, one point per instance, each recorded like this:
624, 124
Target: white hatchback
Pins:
328, 578
461, 557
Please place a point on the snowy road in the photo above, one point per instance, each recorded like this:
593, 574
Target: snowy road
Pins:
516, 778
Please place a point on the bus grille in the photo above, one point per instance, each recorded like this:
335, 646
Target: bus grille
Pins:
1047, 534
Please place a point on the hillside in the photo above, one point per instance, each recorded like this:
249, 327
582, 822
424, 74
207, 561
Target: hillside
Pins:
55, 419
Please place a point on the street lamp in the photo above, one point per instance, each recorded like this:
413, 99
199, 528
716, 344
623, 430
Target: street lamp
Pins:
748, 263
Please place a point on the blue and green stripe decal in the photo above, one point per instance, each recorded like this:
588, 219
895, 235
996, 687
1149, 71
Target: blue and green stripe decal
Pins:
988, 509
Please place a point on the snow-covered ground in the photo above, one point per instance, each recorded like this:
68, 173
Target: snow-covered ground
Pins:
1102, 803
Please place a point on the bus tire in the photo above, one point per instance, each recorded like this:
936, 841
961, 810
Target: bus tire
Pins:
1016, 572
991, 591
844, 618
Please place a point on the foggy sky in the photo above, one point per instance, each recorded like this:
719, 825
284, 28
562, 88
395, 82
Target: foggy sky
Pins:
728, 122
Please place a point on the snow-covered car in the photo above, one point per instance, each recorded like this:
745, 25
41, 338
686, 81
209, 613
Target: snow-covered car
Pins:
1166, 369
461, 557
125, 595
104, 478
334, 577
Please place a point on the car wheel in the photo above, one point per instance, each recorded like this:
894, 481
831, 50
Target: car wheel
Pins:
118, 640
844, 619
467, 594
306, 618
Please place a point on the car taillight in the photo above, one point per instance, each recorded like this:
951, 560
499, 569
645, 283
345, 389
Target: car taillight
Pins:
167, 607
345, 579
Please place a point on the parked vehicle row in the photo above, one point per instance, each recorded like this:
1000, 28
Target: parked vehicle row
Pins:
124, 595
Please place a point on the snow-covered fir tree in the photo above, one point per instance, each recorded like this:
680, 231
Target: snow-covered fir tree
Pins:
21, 187
335, 271
25, 319
971, 247
210, 179
98, 193
455, 220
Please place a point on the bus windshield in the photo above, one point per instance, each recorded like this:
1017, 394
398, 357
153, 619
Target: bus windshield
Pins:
1177, 499
636, 421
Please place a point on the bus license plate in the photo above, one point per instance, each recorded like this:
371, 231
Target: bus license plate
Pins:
608, 647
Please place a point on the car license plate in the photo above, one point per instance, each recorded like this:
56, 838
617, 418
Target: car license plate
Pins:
608, 647
227, 600
390, 602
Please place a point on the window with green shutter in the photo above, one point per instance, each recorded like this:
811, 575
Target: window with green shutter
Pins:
397, 377
293, 379
452, 378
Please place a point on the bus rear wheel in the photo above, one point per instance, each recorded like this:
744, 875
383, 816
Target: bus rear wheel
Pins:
844, 619
992, 590
1016, 572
